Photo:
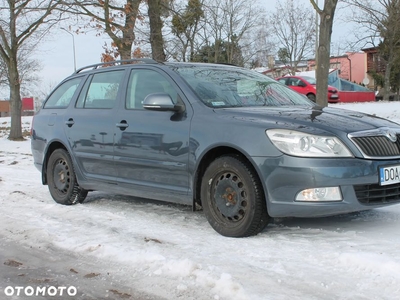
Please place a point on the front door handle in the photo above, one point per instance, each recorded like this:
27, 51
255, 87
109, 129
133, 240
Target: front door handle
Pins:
122, 125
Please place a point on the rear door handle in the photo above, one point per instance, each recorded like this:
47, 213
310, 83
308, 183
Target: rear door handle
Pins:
70, 122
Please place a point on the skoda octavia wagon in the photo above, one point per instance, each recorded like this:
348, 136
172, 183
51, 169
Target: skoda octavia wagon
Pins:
237, 144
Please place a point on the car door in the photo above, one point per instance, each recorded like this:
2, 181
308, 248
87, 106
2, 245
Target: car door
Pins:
90, 126
152, 147
294, 84
301, 86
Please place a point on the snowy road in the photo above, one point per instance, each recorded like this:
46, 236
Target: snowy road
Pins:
31, 266
132, 249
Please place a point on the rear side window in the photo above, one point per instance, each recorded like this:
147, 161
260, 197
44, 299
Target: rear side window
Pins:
101, 90
63, 95
282, 80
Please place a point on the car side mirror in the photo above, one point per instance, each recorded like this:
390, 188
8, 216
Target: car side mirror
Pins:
161, 102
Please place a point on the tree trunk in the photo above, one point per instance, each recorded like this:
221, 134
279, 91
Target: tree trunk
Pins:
183, 54
156, 39
386, 82
125, 50
324, 50
192, 49
15, 101
124, 44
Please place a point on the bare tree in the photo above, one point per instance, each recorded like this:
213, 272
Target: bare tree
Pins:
231, 22
381, 18
115, 18
294, 26
217, 31
119, 19
186, 24
324, 48
259, 46
28, 69
22, 23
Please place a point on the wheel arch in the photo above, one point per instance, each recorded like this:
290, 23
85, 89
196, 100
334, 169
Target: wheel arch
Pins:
205, 161
50, 149
311, 96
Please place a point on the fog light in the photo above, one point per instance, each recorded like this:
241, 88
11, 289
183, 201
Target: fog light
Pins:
320, 194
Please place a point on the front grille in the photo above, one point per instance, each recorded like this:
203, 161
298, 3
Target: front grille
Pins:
377, 194
377, 146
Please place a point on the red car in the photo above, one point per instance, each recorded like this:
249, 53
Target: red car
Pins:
306, 85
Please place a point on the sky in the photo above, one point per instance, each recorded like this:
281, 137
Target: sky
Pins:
58, 59
172, 253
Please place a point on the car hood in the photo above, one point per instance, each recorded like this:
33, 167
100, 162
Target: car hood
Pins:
315, 120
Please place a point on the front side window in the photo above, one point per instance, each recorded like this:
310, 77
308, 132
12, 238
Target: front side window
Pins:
145, 82
221, 87
63, 95
293, 81
310, 80
101, 90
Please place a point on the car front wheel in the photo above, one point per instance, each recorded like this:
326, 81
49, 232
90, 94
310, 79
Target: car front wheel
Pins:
311, 97
61, 179
232, 197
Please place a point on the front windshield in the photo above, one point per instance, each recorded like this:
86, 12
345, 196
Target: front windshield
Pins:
225, 86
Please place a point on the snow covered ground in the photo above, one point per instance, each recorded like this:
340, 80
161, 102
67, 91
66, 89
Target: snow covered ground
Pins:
172, 253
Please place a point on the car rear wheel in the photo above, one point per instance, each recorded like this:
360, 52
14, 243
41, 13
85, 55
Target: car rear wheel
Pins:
311, 97
61, 179
232, 197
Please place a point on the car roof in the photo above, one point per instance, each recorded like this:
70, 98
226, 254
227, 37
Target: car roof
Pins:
149, 61
201, 64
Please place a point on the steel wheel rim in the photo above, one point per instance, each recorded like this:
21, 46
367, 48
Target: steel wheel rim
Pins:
229, 197
61, 176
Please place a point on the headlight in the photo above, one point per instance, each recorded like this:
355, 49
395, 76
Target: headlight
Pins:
307, 145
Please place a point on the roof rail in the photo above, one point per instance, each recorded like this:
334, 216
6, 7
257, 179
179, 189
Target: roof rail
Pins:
117, 62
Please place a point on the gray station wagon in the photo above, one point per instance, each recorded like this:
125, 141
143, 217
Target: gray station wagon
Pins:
240, 145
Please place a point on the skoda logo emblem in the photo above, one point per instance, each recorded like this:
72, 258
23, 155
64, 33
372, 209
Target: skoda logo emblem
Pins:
391, 135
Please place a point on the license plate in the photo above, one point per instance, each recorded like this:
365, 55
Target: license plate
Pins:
389, 175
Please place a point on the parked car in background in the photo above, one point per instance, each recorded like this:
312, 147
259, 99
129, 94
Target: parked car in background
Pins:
307, 86
240, 145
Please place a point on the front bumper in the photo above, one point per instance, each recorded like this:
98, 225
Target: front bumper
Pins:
285, 176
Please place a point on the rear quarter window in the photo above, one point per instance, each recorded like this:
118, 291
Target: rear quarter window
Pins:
62, 95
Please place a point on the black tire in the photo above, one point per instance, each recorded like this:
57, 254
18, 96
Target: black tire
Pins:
232, 197
61, 179
311, 97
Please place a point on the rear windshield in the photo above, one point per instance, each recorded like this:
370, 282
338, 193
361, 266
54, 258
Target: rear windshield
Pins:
232, 87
